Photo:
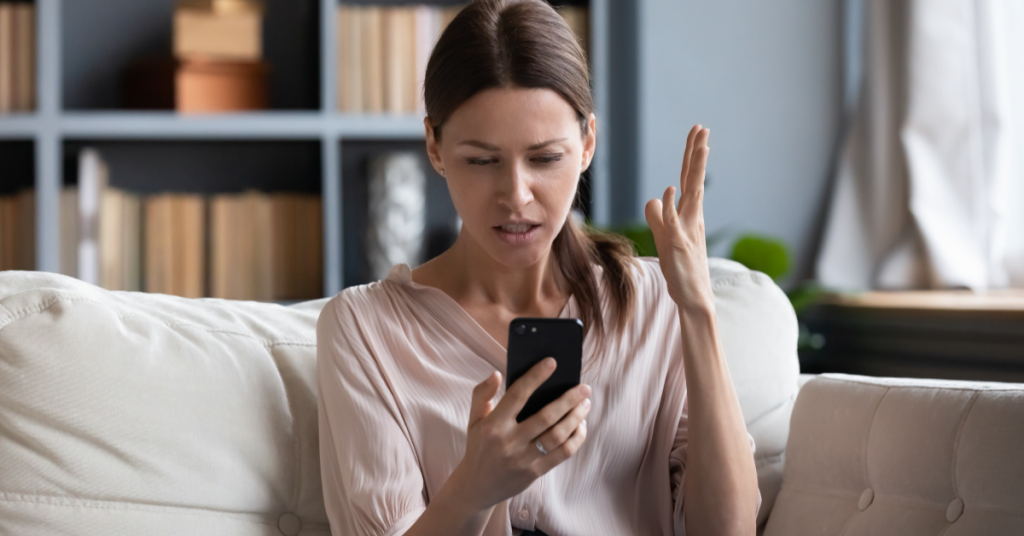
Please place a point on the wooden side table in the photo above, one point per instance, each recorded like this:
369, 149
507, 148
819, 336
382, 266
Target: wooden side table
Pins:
955, 334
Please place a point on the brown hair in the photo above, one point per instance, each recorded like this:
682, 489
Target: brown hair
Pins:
526, 43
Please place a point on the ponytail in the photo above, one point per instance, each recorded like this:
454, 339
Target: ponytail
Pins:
576, 252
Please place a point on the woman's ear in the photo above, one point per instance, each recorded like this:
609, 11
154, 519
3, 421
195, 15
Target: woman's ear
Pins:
590, 142
433, 151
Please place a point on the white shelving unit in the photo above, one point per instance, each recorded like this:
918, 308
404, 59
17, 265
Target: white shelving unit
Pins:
55, 123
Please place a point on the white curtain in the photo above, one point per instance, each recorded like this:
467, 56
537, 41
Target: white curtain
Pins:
928, 192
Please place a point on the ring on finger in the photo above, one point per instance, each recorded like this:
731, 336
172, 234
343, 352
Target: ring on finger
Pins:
540, 447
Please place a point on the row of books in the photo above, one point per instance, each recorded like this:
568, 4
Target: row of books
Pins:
17, 231
383, 53
17, 57
248, 246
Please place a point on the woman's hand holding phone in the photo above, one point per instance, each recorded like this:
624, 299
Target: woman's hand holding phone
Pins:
502, 458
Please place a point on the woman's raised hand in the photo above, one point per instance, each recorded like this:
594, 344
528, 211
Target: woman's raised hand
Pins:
679, 228
502, 458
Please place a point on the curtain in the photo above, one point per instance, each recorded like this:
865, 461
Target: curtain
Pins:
927, 192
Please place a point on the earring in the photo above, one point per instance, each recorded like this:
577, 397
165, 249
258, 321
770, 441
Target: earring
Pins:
442, 172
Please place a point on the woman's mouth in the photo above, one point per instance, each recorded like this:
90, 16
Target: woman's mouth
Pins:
519, 233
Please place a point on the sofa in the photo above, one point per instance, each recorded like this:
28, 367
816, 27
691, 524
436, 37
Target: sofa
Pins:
133, 413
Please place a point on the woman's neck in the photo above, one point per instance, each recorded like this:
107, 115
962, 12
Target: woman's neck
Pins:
475, 280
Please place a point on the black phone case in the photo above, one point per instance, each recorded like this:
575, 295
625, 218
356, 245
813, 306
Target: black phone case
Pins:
560, 338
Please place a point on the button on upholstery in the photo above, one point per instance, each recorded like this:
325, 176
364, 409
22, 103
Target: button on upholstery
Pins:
524, 514
289, 524
954, 510
865, 499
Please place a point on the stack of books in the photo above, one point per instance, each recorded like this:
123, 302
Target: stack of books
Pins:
383, 53
17, 231
266, 246
249, 246
17, 57
219, 47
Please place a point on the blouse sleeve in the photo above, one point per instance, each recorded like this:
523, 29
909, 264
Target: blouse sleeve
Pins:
372, 482
677, 470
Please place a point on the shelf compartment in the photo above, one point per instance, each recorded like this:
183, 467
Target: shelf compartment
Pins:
200, 209
101, 38
440, 215
17, 205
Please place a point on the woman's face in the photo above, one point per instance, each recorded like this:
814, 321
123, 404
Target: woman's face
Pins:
512, 159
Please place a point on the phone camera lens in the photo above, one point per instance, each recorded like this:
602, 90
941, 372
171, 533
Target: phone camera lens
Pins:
520, 329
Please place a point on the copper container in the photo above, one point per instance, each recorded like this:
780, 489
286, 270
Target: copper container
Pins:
212, 86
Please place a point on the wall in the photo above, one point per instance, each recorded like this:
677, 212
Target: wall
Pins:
767, 79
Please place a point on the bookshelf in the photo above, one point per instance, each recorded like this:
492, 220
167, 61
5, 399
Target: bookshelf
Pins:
83, 44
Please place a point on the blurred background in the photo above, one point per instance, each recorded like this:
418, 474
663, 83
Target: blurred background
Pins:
867, 154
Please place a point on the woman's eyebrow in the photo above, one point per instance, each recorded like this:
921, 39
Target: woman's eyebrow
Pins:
490, 147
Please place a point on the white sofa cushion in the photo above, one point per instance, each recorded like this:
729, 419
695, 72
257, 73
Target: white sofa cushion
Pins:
901, 457
150, 414
132, 413
759, 330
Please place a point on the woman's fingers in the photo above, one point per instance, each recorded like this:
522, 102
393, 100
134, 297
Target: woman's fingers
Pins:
688, 156
653, 213
552, 413
483, 397
560, 432
691, 201
562, 452
668, 203
520, 390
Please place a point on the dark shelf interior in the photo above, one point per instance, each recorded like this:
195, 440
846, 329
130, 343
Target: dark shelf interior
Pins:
440, 215
18, 169
201, 166
101, 38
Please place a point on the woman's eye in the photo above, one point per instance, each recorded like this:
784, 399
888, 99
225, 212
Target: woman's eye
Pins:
479, 161
549, 159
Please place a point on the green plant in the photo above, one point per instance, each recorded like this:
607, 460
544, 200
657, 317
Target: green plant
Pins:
762, 253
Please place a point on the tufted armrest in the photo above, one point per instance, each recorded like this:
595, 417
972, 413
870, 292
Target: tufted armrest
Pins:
888, 456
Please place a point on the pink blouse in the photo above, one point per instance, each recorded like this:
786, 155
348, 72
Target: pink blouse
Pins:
397, 363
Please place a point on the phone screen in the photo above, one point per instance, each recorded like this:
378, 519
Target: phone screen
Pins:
532, 339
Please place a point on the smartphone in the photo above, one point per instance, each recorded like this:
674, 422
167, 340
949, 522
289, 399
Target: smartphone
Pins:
532, 339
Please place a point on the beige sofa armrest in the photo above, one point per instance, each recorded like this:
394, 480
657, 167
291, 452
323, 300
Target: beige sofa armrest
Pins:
889, 456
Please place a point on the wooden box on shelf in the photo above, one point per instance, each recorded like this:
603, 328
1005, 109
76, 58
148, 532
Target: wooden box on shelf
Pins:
224, 29
203, 86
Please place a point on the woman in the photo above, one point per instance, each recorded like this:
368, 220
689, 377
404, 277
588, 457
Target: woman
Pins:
418, 436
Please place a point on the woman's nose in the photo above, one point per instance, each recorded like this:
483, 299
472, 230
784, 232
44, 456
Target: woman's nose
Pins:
515, 190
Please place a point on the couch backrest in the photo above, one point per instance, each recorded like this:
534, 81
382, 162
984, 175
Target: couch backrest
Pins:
900, 457
132, 413
150, 414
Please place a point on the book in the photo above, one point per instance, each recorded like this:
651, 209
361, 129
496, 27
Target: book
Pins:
383, 54
372, 59
174, 244
8, 232
17, 230
428, 29
92, 182
69, 231
24, 76
111, 243
266, 246
6, 57
101, 224
578, 19
399, 53
309, 258
25, 247
350, 84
